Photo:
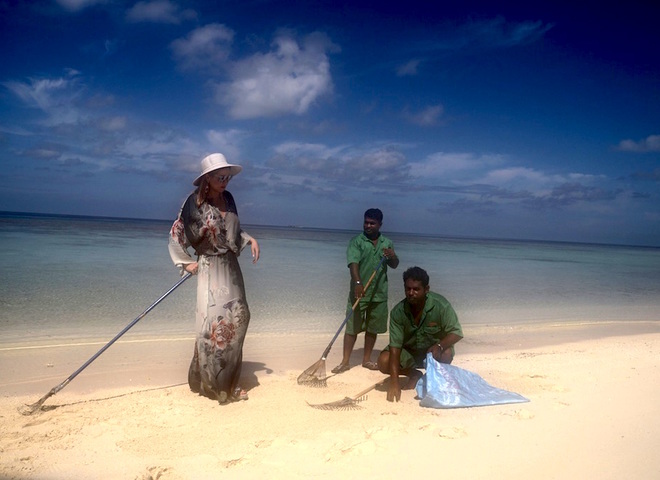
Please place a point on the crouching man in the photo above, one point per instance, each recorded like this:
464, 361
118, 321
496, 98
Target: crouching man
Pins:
422, 322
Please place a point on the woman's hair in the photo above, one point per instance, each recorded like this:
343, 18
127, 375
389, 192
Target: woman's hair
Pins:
202, 191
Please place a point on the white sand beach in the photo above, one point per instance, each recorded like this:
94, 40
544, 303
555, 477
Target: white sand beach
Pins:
592, 413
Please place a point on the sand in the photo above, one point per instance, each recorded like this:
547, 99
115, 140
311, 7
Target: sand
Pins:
593, 391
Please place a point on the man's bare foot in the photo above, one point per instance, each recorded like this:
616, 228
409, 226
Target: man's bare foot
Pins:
413, 378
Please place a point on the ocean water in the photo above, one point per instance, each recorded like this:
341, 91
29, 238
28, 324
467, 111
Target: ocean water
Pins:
80, 277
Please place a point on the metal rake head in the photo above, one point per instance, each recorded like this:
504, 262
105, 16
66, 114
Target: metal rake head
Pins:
314, 382
348, 403
314, 376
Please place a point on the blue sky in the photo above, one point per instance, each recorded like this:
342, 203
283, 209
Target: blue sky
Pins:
487, 119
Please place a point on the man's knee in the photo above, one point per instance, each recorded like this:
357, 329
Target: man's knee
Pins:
447, 356
384, 361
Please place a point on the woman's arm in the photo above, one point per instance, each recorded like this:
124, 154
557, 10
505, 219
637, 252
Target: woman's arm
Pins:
254, 245
178, 247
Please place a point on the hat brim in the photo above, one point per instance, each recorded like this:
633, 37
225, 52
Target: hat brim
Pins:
233, 170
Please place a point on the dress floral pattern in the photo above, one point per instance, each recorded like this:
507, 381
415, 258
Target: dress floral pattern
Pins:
222, 313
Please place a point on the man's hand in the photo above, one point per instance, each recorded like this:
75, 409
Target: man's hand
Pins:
390, 256
435, 350
394, 391
394, 361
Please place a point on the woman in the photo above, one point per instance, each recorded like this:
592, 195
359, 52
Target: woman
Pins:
208, 222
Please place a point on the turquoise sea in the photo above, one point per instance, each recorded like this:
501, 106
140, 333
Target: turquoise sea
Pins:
78, 277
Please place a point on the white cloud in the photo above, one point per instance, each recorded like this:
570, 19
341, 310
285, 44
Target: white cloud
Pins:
318, 150
77, 5
158, 11
649, 144
36, 93
409, 68
349, 164
112, 124
428, 116
149, 150
54, 96
487, 177
227, 142
487, 34
516, 175
204, 48
529, 178
44, 153
440, 164
382, 161
287, 80
498, 33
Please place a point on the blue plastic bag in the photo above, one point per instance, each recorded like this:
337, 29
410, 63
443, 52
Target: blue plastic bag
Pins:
446, 386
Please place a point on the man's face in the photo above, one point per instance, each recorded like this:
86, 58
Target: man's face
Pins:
371, 226
415, 291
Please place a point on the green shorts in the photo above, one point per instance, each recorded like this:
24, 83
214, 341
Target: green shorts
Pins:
370, 317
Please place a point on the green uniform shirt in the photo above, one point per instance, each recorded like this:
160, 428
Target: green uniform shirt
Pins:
438, 319
362, 251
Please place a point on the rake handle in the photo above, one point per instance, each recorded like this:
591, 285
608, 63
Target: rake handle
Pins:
368, 389
59, 387
355, 304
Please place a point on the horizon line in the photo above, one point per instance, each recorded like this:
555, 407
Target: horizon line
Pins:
6, 213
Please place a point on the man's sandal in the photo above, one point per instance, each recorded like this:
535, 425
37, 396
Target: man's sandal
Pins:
341, 368
370, 365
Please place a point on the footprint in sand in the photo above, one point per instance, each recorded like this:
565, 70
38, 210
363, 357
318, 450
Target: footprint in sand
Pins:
234, 462
452, 433
153, 473
521, 414
524, 414
360, 448
378, 434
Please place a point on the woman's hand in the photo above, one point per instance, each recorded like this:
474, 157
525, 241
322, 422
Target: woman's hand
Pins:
191, 268
254, 246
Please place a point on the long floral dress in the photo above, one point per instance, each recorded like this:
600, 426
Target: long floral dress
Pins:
222, 314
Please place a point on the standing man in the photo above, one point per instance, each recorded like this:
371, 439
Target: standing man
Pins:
370, 316
421, 323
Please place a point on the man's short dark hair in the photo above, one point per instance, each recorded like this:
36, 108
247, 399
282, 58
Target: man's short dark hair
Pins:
417, 274
375, 214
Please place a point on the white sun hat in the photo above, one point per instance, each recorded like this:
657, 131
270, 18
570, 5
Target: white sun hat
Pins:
216, 161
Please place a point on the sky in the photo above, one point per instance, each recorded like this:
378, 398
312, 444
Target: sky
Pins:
517, 120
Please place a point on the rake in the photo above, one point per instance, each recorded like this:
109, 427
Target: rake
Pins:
30, 409
347, 403
315, 375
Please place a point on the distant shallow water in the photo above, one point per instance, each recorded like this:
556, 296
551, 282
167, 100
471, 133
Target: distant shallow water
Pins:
73, 275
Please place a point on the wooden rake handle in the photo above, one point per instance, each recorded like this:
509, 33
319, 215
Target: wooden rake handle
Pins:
355, 304
368, 389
